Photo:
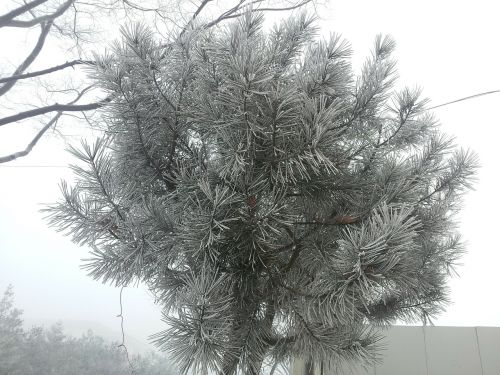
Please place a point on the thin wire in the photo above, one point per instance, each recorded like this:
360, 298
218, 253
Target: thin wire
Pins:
426, 109
466, 98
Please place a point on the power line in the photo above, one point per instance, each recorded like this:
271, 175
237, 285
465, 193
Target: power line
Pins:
427, 109
466, 98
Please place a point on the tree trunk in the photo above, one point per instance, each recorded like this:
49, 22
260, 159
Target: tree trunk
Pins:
240, 330
309, 367
229, 359
267, 325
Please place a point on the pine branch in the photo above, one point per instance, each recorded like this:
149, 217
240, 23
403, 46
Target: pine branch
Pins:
97, 174
268, 194
152, 162
337, 220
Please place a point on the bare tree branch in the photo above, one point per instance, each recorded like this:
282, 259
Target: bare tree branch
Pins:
45, 71
39, 20
31, 57
53, 108
34, 141
283, 9
142, 9
231, 13
38, 136
224, 15
195, 14
6, 18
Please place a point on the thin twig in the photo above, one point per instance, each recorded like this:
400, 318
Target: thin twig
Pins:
34, 141
193, 18
122, 345
45, 28
45, 71
231, 13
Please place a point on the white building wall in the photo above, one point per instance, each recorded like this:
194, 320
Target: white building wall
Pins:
431, 351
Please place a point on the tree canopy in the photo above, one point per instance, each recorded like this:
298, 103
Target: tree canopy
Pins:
276, 203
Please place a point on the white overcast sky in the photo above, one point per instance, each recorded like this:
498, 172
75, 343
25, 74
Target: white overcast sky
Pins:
449, 48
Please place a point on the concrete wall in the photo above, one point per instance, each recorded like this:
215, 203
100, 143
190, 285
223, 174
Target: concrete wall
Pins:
431, 351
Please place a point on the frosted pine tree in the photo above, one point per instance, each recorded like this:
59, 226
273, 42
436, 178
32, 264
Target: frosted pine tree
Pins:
275, 203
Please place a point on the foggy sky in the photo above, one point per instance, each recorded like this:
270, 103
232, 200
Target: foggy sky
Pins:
449, 48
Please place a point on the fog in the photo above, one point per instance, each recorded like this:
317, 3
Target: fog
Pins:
449, 48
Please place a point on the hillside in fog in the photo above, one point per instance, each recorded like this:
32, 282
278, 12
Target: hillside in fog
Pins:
77, 328
85, 348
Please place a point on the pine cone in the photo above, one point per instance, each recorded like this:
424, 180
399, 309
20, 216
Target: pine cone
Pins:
347, 219
252, 201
